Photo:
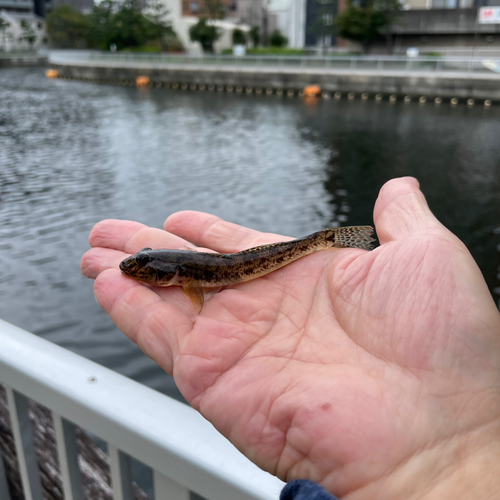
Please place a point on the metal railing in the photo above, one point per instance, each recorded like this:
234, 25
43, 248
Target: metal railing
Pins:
465, 52
347, 64
184, 451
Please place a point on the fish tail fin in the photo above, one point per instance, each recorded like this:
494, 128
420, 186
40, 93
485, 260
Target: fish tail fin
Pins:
353, 237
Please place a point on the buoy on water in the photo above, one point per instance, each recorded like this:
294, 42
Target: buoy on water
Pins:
52, 73
142, 81
312, 91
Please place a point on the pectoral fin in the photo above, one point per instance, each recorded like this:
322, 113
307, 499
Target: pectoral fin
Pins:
195, 293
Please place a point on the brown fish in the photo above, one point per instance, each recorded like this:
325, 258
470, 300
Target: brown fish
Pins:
198, 271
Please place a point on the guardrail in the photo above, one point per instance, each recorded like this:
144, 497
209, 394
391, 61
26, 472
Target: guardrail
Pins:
327, 64
184, 451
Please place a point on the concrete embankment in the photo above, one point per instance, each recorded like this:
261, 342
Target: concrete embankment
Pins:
459, 85
22, 60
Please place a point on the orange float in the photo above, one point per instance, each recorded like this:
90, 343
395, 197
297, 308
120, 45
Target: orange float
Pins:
312, 91
142, 81
52, 73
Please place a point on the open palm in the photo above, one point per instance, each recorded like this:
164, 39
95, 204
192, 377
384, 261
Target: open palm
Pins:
346, 367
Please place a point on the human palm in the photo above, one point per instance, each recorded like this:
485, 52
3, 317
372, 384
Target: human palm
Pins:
347, 367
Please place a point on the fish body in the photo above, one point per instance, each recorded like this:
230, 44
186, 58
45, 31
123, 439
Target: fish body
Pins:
196, 271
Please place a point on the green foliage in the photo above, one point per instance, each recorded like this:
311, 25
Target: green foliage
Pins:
161, 28
284, 51
129, 28
204, 33
239, 37
123, 24
3, 24
364, 24
254, 34
67, 28
29, 33
101, 24
277, 39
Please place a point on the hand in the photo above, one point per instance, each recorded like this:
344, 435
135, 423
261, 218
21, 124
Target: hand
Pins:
375, 373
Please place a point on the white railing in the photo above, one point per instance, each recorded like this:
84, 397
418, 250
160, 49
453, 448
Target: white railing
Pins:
345, 64
464, 52
184, 451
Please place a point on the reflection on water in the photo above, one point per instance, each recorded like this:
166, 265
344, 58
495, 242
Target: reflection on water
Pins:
72, 154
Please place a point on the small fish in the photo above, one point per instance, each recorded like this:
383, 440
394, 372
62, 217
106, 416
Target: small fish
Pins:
197, 272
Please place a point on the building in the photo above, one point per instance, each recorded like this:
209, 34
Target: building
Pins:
200, 8
80, 5
290, 20
186, 13
320, 23
19, 24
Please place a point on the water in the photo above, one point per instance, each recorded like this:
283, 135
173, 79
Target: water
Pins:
72, 154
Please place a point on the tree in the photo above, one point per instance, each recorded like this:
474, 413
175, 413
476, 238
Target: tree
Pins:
156, 12
254, 34
29, 33
364, 24
3, 30
67, 28
129, 28
204, 33
277, 39
239, 37
101, 20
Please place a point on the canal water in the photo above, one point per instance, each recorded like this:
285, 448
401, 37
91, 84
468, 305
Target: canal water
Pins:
74, 153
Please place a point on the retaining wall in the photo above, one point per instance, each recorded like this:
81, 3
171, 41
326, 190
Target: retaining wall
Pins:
458, 85
12, 61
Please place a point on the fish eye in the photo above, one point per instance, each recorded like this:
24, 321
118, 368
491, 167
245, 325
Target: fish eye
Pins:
142, 259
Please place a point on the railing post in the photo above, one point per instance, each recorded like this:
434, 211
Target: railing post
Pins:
4, 487
121, 474
25, 448
68, 458
167, 489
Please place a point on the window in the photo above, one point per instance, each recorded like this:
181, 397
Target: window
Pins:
327, 19
195, 6
444, 4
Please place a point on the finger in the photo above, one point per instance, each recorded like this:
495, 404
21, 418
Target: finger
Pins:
130, 237
97, 260
210, 231
401, 210
154, 325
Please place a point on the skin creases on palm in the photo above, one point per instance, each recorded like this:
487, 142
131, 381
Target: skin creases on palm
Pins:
341, 367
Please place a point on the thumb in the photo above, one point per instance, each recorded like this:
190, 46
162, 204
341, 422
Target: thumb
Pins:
401, 210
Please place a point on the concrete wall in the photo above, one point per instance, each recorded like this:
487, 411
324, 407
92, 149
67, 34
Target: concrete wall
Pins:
473, 87
441, 21
13, 61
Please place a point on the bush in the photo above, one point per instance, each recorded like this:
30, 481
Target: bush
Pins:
67, 28
239, 37
255, 35
277, 39
204, 33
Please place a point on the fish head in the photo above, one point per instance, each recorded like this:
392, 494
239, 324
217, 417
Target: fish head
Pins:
144, 266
